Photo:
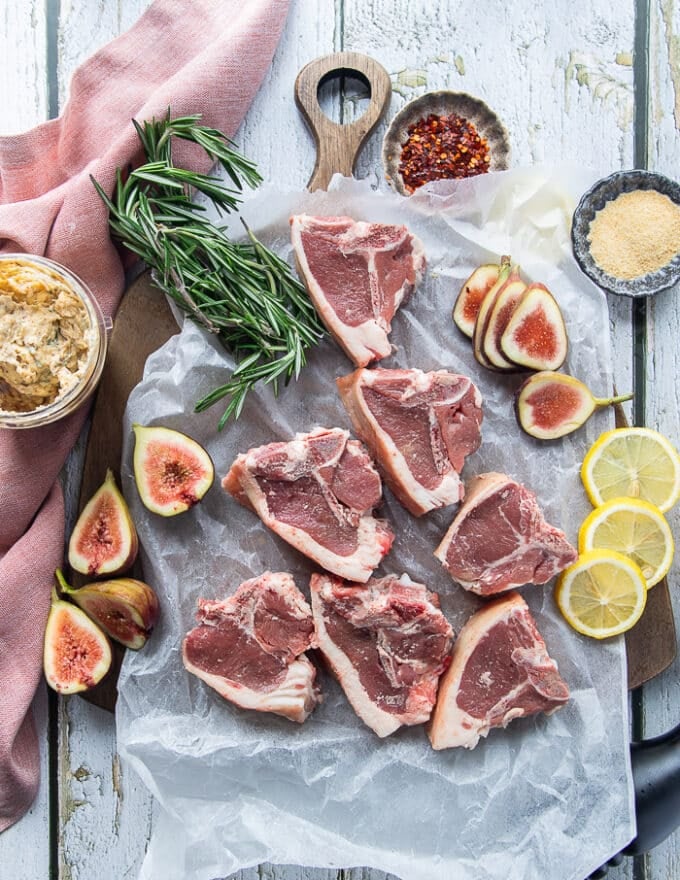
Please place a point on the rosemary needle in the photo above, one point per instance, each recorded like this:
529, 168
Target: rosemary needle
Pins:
241, 291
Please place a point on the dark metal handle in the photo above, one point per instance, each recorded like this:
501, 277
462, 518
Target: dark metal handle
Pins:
656, 777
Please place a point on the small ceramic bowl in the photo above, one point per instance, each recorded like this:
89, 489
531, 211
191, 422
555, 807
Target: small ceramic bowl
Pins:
606, 190
444, 103
94, 337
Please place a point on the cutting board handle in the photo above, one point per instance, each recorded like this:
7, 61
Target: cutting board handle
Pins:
337, 145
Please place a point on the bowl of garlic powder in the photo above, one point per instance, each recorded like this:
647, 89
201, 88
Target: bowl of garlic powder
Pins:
626, 233
53, 340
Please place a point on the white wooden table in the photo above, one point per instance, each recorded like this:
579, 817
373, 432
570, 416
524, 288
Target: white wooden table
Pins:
596, 83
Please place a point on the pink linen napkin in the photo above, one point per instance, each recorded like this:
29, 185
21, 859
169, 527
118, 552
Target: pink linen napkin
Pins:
194, 56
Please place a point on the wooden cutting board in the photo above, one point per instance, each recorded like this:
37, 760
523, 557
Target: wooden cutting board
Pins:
144, 322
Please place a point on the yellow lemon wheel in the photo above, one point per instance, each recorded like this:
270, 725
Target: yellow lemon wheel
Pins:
632, 463
602, 594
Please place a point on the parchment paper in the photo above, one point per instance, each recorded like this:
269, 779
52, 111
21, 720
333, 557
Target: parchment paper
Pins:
548, 796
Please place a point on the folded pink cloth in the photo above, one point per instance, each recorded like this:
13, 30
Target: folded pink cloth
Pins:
194, 56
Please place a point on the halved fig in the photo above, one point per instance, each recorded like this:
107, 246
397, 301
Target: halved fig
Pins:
535, 336
549, 405
471, 295
76, 653
125, 608
172, 471
104, 540
484, 311
501, 312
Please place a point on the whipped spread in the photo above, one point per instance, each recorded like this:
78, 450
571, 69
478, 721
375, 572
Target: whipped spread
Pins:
47, 336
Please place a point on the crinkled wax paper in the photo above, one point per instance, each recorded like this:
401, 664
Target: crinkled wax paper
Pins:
549, 797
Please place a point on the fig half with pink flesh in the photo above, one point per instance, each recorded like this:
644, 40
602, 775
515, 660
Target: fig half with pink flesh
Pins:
549, 405
484, 311
125, 608
471, 295
535, 336
104, 540
499, 316
172, 471
76, 653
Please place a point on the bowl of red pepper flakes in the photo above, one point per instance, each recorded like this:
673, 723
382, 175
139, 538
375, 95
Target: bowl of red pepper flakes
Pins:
440, 136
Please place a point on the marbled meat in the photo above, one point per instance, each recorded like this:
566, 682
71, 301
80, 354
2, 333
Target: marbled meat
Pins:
387, 643
419, 427
250, 647
357, 274
317, 492
499, 539
500, 670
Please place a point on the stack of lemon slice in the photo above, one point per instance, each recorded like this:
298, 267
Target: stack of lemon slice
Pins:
632, 476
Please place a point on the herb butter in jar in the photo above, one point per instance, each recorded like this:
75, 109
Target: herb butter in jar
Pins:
52, 341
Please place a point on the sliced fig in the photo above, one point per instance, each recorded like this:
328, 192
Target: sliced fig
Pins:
535, 336
501, 312
172, 471
549, 405
471, 295
484, 311
104, 540
125, 608
76, 654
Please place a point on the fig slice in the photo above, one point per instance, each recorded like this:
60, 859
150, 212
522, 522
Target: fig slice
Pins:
485, 307
499, 315
76, 653
104, 539
172, 471
535, 336
125, 608
471, 295
549, 405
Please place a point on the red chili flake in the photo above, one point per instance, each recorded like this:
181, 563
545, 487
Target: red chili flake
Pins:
440, 147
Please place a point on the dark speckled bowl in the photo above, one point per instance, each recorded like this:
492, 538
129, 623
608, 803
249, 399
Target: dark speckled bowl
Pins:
444, 103
594, 200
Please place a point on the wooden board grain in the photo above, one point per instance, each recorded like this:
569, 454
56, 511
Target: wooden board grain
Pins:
143, 323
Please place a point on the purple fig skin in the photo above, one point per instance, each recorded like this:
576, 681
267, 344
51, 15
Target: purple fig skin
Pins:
76, 653
126, 609
485, 307
471, 295
104, 540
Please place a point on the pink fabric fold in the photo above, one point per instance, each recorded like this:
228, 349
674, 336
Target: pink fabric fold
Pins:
194, 56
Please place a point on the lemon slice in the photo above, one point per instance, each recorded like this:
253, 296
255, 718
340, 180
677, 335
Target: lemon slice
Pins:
635, 528
635, 463
602, 594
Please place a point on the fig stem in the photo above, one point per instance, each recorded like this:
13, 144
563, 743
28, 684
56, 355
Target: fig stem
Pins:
608, 401
64, 586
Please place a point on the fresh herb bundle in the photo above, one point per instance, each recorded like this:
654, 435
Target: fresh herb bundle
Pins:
240, 291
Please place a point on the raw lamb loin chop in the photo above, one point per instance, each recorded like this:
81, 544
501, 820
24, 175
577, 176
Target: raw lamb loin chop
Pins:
357, 275
500, 540
419, 427
317, 492
387, 643
500, 670
249, 648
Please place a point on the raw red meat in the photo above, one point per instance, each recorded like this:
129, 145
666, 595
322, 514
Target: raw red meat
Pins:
249, 648
499, 539
317, 492
358, 274
419, 427
500, 670
387, 643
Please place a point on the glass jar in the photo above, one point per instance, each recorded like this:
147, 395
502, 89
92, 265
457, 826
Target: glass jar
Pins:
62, 324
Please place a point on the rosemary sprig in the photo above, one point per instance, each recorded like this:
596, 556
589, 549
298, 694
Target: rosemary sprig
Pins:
241, 291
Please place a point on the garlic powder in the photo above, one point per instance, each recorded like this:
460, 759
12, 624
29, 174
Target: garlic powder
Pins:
636, 233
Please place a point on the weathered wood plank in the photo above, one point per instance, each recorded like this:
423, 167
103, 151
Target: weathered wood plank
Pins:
662, 695
25, 848
23, 71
